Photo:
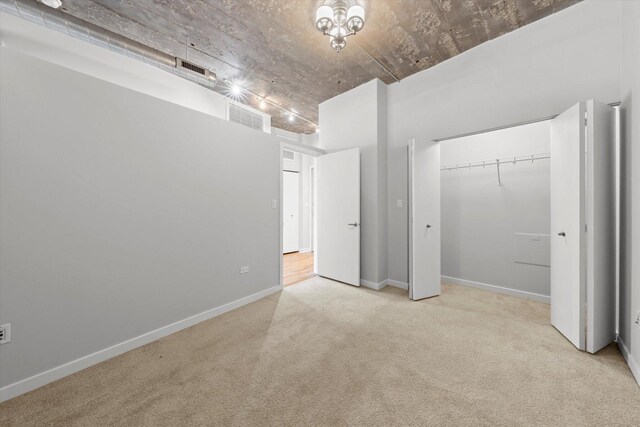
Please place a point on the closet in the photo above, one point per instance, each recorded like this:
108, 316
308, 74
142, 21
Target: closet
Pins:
564, 255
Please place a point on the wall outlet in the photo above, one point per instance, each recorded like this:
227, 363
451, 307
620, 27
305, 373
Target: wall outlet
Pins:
637, 318
244, 270
399, 203
5, 333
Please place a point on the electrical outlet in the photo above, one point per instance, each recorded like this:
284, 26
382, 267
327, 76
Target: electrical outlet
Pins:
5, 333
638, 318
244, 270
399, 203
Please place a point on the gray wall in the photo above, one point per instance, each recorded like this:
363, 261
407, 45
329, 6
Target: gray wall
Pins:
352, 120
630, 181
534, 72
480, 219
120, 213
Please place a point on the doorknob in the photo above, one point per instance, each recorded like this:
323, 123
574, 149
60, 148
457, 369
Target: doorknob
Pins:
428, 225
562, 233
353, 224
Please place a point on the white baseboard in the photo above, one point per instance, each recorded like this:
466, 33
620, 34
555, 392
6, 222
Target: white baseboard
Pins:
373, 285
631, 361
397, 284
304, 250
23, 386
497, 289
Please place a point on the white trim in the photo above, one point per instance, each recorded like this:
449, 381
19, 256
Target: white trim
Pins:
631, 361
497, 289
304, 250
396, 284
373, 285
23, 386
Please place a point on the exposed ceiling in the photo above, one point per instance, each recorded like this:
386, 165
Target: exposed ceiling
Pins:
273, 47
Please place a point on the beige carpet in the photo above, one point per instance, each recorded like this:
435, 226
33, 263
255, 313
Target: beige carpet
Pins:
324, 353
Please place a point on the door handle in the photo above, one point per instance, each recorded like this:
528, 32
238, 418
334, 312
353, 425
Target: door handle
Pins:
428, 225
562, 233
353, 224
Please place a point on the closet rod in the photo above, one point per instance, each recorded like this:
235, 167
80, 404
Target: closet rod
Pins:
504, 160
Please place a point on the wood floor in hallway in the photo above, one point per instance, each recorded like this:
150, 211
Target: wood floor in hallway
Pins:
297, 266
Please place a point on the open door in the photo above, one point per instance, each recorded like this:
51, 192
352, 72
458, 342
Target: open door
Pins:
290, 212
338, 237
424, 219
601, 226
568, 242
583, 225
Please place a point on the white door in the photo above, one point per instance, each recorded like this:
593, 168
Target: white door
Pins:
568, 242
338, 236
601, 229
290, 212
424, 219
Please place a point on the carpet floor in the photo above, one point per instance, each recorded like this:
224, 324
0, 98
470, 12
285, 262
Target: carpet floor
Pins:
321, 353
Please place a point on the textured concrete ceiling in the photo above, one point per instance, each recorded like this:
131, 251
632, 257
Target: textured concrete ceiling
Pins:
273, 47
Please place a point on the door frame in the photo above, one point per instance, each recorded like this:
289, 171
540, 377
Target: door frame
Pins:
299, 149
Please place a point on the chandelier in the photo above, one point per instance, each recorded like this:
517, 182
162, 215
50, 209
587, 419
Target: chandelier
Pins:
338, 20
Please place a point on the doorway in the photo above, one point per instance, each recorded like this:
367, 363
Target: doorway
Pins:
298, 195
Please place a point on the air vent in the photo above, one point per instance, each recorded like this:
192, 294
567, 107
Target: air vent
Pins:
246, 117
181, 63
192, 67
288, 155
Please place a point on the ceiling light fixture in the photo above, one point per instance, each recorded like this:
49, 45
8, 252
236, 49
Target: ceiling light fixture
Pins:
236, 89
51, 3
292, 118
263, 104
339, 19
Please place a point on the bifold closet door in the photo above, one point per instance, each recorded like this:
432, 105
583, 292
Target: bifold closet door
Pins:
338, 238
601, 226
583, 225
290, 212
424, 219
568, 292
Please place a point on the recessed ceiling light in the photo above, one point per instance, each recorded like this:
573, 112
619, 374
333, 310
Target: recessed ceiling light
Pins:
317, 129
263, 104
51, 3
291, 117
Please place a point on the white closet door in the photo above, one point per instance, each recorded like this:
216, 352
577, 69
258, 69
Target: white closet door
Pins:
568, 242
338, 236
601, 231
424, 221
290, 212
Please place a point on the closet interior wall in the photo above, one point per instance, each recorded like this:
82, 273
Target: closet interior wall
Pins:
497, 235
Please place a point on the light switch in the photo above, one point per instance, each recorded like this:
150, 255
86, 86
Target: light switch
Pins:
399, 203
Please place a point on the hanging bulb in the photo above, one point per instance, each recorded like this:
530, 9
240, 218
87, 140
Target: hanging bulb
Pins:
355, 18
324, 19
